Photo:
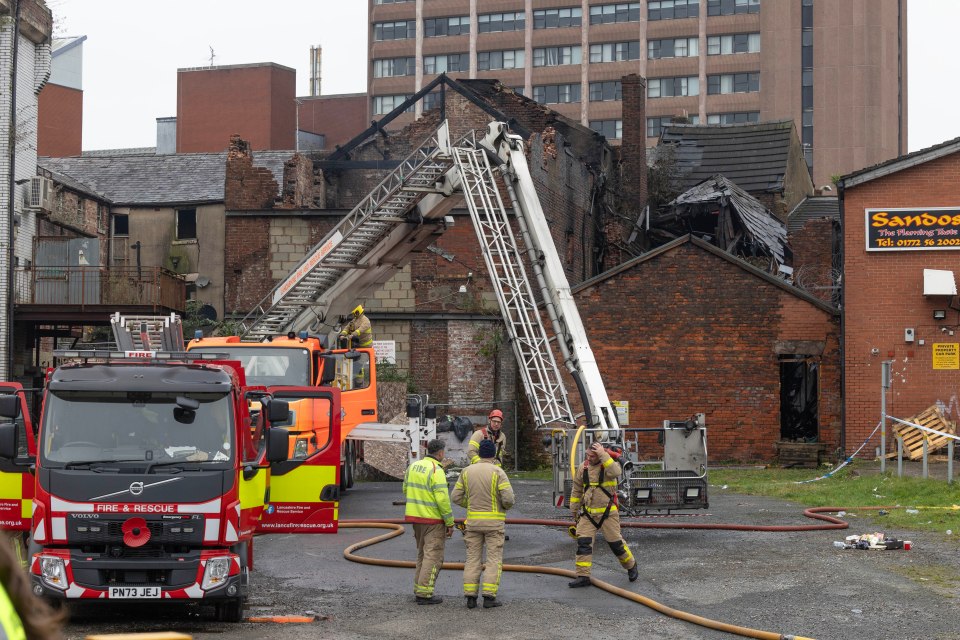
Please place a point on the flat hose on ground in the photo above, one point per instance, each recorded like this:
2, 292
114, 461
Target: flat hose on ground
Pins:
817, 513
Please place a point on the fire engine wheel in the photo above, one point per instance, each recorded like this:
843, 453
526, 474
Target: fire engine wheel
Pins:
351, 464
231, 610
346, 469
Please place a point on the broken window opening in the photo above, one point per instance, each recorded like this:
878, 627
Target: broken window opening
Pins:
799, 398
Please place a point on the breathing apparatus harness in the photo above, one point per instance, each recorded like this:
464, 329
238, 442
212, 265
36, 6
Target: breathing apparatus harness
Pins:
615, 451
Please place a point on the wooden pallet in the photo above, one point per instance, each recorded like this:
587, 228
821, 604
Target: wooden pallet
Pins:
913, 438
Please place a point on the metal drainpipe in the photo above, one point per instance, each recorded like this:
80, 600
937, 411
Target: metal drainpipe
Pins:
11, 199
843, 315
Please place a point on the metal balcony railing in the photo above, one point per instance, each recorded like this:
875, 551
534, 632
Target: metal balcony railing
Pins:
114, 287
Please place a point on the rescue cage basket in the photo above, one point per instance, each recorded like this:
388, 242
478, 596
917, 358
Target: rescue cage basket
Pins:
656, 491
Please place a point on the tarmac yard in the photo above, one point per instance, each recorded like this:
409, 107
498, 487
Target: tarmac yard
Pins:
790, 583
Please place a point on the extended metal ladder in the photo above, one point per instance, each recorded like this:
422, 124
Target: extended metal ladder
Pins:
147, 333
502, 255
351, 241
366, 234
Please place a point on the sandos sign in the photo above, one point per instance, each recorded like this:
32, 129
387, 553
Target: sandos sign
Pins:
913, 229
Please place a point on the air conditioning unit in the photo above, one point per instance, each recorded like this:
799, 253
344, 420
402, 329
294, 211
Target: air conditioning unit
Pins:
41, 193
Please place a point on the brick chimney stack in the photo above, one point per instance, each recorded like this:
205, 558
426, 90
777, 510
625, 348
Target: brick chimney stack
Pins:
633, 171
633, 147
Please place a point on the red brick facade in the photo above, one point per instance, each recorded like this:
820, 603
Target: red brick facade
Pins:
338, 118
688, 329
813, 256
60, 119
256, 102
883, 296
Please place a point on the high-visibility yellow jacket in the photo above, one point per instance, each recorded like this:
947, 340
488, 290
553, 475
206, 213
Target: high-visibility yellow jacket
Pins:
484, 490
473, 449
425, 489
11, 627
589, 497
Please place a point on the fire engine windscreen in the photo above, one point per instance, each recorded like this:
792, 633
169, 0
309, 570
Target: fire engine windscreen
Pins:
122, 426
268, 366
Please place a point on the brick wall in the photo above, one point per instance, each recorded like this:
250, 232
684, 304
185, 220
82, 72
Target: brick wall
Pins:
883, 295
687, 331
247, 187
813, 256
59, 130
254, 101
246, 263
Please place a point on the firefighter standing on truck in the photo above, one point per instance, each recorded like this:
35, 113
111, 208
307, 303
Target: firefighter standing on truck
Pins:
358, 331
493, 432
593, 502
428, 508
484, 490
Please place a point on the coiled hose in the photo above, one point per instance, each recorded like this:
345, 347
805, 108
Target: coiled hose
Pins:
396, 526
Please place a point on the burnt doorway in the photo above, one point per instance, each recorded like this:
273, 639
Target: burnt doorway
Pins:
799, 398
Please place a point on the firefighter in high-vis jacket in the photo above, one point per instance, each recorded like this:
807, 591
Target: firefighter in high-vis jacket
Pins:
428, 508
493, 432
593, 502
484, 490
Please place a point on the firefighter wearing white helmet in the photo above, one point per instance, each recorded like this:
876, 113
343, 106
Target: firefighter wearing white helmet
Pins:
358, 330
493, 432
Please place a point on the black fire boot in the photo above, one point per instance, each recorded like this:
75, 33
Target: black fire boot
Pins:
489, 602
633, 573
471, 602
430, 600
582, 581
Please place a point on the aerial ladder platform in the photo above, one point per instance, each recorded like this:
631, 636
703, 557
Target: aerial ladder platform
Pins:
404, 214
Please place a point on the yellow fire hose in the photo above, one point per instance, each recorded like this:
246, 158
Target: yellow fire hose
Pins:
398, 529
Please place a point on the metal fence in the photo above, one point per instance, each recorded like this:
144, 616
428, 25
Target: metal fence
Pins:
113, 286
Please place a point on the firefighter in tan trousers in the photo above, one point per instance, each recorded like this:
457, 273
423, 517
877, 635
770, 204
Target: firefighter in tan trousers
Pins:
484, 490
593, 502
428, 508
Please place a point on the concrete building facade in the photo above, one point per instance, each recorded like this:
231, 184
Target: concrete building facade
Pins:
25, 29
835, 67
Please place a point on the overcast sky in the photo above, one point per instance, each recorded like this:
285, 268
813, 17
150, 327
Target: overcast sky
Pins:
134, 48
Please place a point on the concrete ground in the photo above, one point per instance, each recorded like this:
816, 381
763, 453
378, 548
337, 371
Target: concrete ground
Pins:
789, 583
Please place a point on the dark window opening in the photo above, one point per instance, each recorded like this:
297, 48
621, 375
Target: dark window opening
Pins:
186, 224
121, 224
799, 398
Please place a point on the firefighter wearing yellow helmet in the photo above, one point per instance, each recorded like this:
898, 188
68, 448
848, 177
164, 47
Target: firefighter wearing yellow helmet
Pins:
493, 432
358, 331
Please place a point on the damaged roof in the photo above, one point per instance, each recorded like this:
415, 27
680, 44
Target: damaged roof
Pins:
813, 208
709, 248
759, 223
754, 155
150, 179
501, 103
585, 143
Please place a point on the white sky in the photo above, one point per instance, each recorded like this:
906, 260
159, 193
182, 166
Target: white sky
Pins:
134, 48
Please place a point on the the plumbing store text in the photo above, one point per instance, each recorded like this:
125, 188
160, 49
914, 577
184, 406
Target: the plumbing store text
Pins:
912, 229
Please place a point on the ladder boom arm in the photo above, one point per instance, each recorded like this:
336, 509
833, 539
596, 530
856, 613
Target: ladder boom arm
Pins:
561, 308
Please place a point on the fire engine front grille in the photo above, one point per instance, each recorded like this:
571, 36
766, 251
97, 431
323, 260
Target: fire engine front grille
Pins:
110, 532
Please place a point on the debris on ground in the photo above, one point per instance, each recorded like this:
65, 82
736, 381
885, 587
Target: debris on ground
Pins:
875, 541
